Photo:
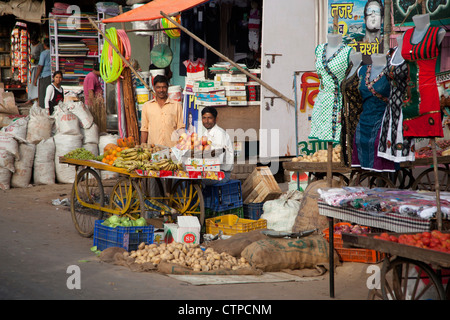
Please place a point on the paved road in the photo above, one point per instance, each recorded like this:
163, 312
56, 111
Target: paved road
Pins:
38, 243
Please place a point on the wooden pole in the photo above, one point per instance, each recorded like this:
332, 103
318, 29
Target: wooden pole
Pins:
120, 55
130, 105
207, 46
436, 185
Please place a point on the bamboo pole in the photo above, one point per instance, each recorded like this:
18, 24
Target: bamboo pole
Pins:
207, 46
120, 55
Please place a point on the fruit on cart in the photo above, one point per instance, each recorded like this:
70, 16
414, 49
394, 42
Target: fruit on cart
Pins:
153, 148
320, 156
434, 240
193, 142
126, 142
186, 255
80, 154
111, 152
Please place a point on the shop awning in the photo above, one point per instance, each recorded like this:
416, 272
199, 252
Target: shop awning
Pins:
151, 10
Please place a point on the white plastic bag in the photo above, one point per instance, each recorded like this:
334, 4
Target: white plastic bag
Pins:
281, 213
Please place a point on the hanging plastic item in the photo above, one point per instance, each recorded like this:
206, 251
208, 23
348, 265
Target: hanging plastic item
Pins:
161, 55
171, 33
111, 64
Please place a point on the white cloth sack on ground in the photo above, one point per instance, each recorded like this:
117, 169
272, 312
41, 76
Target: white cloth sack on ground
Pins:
66, 122
17, 128
7, 160
104, 139
40, 125
9, 143
281, 213
65, 143
82, 112
21, 177
5, 179
44, 162
90, 135
8, 103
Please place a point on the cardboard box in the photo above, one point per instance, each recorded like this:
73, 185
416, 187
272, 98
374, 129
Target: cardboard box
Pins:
193, 164
186, 230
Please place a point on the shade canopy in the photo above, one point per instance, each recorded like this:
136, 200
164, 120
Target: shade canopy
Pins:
152, 10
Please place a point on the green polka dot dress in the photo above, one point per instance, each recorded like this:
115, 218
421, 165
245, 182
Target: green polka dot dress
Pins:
326, 114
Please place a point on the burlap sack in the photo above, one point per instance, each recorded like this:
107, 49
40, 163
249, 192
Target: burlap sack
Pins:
235, 244
308, 217
277, 254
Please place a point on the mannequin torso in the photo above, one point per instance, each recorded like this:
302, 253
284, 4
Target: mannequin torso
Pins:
421, 23
378, 64
355, 58
334, 43
397, 56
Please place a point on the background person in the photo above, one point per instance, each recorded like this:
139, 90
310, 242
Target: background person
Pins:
162, 117
93, 97
54, 93
43, 73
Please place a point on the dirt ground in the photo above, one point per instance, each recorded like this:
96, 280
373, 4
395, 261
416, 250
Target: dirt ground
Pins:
38, 243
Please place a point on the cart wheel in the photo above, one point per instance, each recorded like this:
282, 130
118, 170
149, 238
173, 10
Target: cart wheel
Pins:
405, 279
374, 294
403, 178
87, 188
426, 181
371, 180
187, 198
126, 198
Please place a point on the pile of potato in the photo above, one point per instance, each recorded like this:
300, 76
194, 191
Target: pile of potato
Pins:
321, 156
186, 255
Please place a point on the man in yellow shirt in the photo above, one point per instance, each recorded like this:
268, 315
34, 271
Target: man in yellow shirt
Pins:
162, 117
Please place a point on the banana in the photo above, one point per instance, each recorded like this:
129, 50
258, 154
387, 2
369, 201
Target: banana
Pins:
127, 151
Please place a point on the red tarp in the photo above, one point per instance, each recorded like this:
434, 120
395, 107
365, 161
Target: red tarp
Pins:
151, 10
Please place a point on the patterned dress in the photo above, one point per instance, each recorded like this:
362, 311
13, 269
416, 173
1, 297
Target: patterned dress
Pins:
422, 111
393, 146
326, 114
351, 110
375, 95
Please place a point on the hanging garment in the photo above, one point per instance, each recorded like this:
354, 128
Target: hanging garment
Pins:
375, 95
351, 110
326, 114
393, 146
422, 111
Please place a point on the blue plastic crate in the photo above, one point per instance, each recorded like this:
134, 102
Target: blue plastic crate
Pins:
253, 210
223, 196
128, 238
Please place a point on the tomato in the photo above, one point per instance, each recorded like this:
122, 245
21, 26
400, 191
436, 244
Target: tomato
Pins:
393, 238
426, 234
426, 241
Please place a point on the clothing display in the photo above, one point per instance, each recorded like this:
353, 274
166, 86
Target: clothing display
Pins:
422, 111
375, 96
393, 146
326, 114
381, 201
351, 109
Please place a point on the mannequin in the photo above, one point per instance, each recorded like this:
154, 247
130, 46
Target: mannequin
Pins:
397, 56
332, 61
355, 59
420, 48
422, 23
334, 43
378, 65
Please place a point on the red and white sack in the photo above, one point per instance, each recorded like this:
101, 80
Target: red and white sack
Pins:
66, 122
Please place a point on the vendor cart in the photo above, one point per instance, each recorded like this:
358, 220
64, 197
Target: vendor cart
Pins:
407, 272
130, 195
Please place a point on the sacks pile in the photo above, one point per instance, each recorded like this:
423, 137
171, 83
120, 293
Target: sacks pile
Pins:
30, 146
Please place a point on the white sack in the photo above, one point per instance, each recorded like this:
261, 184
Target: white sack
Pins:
8, 103
24, 167
44, 173
92, 147
9, 143
65, 143
104, 139
90, 135
17, 128
40, 125
66, 122
82, 112
281, 214
5, 179
7, 160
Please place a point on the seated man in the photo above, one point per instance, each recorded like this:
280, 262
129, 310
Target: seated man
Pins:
220, 140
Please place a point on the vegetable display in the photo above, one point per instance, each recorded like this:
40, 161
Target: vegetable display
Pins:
186, 255
80, 154
434, 240
320, 156
115, 221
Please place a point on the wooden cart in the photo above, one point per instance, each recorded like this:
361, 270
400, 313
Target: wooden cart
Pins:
130, 195
407, 273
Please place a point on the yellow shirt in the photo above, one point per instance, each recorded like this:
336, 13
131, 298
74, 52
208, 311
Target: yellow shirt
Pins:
161, 123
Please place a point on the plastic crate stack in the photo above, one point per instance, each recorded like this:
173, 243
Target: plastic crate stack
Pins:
253, 210
223, 198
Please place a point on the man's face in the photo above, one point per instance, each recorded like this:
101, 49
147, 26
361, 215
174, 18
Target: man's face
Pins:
373, 17
161, 90
208, 120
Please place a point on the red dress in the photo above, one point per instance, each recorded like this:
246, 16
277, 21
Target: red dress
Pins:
422, 111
